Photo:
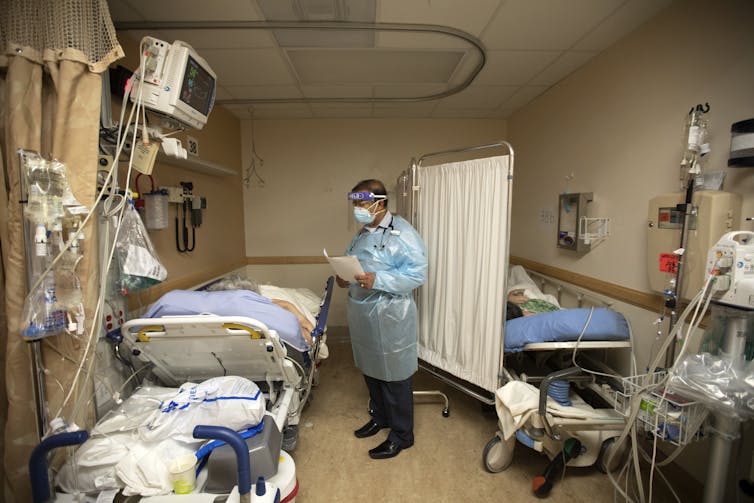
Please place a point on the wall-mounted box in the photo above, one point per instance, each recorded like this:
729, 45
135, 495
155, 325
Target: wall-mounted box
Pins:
571, 207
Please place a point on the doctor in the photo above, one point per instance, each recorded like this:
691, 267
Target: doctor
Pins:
382, 314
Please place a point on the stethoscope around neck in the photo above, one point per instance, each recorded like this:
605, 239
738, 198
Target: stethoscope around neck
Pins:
383, 239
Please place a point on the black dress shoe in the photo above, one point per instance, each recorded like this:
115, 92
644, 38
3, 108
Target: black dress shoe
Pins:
369, 429
387, 449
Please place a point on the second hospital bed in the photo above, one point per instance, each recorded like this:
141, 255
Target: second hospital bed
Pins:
462, 210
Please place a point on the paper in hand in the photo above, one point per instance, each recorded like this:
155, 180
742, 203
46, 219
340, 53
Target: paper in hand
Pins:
346, 266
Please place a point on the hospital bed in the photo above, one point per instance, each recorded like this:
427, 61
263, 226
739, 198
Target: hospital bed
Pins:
463, 338
555, 394
192, 349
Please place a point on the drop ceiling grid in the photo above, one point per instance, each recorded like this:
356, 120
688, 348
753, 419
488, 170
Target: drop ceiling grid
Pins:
529, 48
439, 12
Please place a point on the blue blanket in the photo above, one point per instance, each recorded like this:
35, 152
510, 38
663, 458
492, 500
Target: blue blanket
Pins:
232, 303
564, 326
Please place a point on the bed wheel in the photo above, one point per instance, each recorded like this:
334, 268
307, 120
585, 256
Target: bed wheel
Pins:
608, 447
498, 454
445, 412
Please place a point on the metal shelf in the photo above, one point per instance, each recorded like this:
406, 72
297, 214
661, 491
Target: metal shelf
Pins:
197, 164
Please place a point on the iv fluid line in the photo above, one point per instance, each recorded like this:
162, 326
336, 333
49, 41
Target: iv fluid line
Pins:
100, 301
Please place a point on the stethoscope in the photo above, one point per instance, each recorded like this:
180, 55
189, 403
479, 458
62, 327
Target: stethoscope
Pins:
383, 240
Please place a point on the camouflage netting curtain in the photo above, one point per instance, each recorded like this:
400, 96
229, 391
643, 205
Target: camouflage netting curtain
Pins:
51, 57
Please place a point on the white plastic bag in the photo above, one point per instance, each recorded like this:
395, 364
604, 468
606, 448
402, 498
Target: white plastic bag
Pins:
139, 264
230, 401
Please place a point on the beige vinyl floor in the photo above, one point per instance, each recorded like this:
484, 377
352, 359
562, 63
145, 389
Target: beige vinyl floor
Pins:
444, 465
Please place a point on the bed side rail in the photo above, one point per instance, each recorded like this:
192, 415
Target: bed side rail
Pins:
196, 325
324, 309
568, 296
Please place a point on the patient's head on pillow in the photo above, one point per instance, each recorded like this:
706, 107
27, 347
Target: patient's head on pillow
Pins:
234, 282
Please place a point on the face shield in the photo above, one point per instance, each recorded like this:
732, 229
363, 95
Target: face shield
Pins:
364, 196
363, 203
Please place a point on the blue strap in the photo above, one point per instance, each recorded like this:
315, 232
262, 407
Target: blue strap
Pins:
202, 455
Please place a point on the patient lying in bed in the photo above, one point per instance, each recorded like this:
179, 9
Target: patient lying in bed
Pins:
555, 324
290, 324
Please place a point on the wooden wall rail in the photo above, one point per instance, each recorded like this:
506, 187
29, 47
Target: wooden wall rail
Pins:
146, 297
637, 298
289, 260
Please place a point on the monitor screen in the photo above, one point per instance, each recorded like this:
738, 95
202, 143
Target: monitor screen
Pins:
198, 87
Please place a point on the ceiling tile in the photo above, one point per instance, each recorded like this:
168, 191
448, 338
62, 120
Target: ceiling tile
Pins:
417, 39
478, 97
342, 91
523, 96
263, 92
121, 10
235, 67
470, 113
441, 12
468, 64
545, 24
281, 111
511, 68
408, 91
324, 38
323, 111
625, 20
223, 39
566, 64
196, 10
349, 66
318, 10
420, 109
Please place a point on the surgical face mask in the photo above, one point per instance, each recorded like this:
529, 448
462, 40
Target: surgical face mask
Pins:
362, 215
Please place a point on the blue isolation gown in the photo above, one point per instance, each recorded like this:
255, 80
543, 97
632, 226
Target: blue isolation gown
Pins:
382, 320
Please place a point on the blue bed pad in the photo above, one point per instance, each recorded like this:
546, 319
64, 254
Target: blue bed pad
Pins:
565, 326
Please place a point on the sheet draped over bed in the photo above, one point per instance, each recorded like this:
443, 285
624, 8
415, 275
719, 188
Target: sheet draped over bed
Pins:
462, 216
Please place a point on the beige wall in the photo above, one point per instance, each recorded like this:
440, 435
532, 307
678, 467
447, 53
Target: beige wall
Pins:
309, 167
219, 240
617, 125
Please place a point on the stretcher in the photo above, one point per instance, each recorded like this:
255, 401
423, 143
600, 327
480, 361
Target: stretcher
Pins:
181, 349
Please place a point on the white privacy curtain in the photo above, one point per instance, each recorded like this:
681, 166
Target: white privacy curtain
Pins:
461, 212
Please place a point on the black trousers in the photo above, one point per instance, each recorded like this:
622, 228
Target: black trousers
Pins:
393, 406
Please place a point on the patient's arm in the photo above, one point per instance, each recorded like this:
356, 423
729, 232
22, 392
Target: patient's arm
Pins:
306, 326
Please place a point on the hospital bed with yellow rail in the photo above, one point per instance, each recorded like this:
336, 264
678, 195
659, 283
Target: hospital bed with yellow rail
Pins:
180, 350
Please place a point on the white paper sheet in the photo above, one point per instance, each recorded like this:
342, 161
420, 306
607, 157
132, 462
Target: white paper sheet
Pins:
346, 266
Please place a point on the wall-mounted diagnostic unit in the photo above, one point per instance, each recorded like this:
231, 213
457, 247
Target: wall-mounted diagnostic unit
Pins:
713, 213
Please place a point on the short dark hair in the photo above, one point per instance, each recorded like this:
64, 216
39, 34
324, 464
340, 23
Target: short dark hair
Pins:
372, 185
512, 310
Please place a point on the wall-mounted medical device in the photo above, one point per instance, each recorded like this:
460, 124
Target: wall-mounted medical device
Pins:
178, 83
742, 144
731, 261
577, 231
713, 214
